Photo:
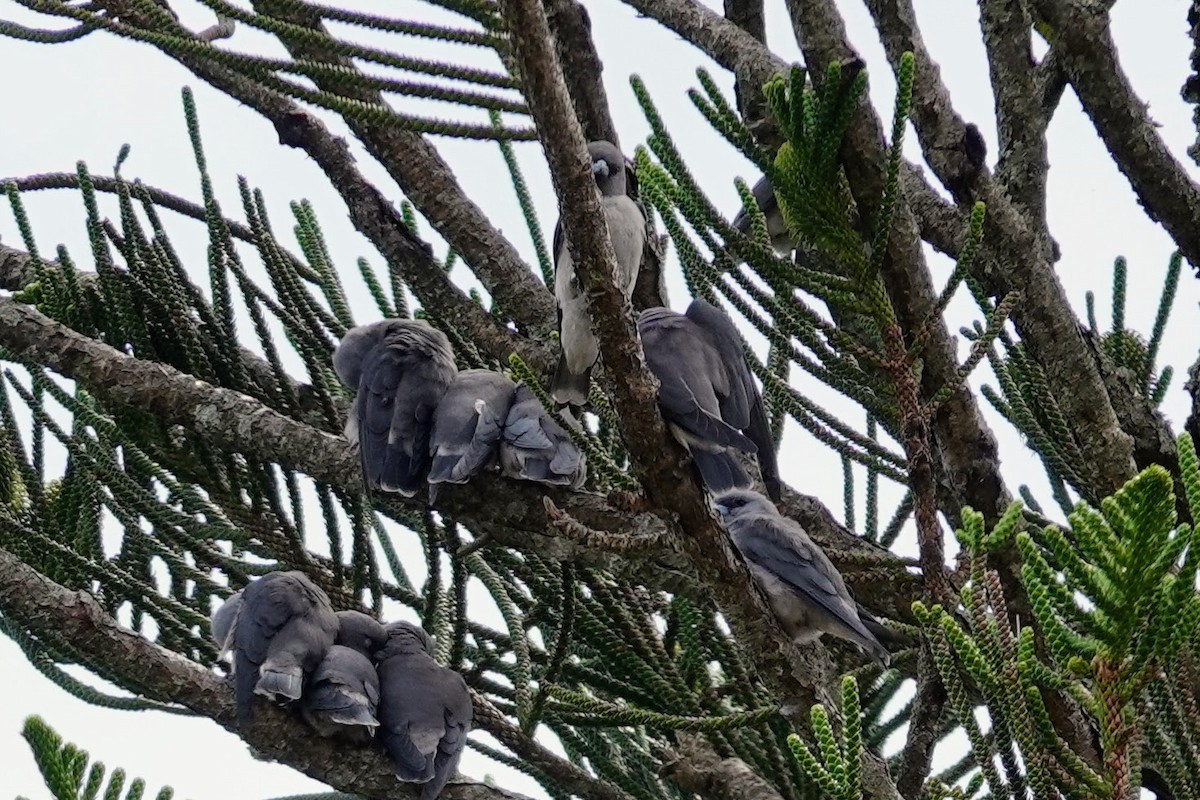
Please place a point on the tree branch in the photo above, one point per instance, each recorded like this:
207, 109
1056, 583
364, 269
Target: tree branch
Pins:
1083, 41
429, 182
74, 620
510, 512
1012, 256
695, 767
371, 212
1020, 115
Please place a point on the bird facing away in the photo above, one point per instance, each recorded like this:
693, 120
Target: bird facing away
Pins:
222, 624
281, 632
534, 447
707, 393
467, 425
424, 710
805, 590
627, 229
342, 696
399, 369
764, 196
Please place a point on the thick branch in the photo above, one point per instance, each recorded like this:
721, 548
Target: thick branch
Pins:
695, 767
74, 620
511, 512
582, 69
1020, 117
658, 460
1083, 41
1013, 256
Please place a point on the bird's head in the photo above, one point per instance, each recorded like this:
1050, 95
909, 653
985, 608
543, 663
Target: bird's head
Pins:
405, 638
360, 632
734, 503
608, 168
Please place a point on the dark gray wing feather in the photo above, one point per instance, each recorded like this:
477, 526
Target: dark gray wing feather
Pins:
468, 423
797, 563
744, 406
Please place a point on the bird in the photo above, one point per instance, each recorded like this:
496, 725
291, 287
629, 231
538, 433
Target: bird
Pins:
533, 447
424, 710
360, 632
707, 393
342, 696
627, 229
222, 624
805, 590
282, 630
764, 196
467, 425
399, 370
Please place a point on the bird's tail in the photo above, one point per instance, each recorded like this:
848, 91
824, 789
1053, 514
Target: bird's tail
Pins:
280, 682
244, 678
409, 764
720, 471
759, 432
399, 473
444, 468
569, 388
356, 713
884, 639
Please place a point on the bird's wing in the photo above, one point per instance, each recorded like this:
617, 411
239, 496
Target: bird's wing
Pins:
797, 562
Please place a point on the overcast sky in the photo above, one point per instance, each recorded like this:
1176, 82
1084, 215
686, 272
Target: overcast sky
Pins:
84, 100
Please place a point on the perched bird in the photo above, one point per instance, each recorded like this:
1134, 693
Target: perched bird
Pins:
764, 195
399, 369
281, 632
627, 229
222, 624
424, 710
534, 447
467, 425
707, 394
342, 696
360, 632
805, 590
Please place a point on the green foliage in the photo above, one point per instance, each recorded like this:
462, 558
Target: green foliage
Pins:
837, 768
70, 776
1116, 611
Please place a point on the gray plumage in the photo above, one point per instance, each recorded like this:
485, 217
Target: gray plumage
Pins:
764, 196
534, 447
805, 590
342, 696
222, 624
627, 229
360, 632
281, 632
399, 369
707, 393
424, 710
467, 425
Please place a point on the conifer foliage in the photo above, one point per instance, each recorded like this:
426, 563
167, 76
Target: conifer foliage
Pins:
171, 425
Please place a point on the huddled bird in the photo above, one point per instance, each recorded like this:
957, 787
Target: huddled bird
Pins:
777, 229
424, 712
349, 676
283, 627
399, 369
467, 425
707, 393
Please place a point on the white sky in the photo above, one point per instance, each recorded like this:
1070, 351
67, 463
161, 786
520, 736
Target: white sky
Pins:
84, 100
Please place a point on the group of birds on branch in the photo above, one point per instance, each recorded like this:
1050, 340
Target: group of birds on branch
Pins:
420, 421
351, 677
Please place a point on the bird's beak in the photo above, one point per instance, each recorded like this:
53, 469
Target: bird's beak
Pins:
600, 168
722, 509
